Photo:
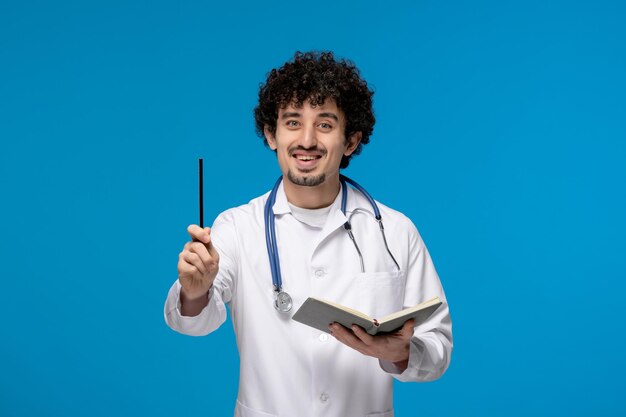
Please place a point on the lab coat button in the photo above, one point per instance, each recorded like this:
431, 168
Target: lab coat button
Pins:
320, 273
324, 397
323, 337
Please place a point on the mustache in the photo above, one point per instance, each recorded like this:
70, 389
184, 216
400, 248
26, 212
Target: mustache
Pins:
322, 152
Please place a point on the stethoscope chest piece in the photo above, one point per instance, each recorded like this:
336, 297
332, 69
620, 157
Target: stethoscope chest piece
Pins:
283, 302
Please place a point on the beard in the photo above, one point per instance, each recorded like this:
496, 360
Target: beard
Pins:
304, 180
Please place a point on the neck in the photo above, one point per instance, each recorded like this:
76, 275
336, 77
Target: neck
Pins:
319, 196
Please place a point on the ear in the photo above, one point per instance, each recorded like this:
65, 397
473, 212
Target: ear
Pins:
271, 139
352, 142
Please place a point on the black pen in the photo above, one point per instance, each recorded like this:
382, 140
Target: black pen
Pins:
200, 193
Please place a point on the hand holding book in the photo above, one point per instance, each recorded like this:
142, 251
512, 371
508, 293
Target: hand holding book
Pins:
392, 347
387, 339
319, 313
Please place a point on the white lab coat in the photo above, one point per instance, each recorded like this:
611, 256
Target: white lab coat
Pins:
288, 369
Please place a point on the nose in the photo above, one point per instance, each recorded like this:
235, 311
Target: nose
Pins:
309, 138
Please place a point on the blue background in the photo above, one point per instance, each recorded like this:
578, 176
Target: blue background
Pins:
501, 132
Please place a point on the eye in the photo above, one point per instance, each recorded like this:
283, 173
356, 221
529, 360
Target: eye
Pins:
325, 125
292, 123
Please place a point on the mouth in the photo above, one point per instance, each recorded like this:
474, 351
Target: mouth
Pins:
306, 160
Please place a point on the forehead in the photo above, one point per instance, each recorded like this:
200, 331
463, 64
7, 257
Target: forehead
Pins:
329, 106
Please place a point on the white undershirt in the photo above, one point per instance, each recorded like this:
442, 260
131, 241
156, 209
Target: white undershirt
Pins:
312, 217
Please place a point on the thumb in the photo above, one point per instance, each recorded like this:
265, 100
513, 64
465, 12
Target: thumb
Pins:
209, 245
407, 329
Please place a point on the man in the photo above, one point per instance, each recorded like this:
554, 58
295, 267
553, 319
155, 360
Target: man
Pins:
316, 113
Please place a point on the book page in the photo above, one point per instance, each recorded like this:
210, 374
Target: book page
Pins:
420, 313
319, 314
342, 307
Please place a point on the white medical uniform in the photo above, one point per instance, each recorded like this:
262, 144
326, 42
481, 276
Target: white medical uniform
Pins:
288, 369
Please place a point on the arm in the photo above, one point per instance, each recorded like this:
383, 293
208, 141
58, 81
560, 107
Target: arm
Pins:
410, 354
431, 343
195, 304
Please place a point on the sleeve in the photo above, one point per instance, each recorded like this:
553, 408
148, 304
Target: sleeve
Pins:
431, 344
214, 314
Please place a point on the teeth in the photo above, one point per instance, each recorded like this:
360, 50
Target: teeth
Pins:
306, 157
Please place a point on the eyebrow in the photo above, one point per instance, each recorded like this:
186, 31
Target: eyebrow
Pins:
287, 115
330, 115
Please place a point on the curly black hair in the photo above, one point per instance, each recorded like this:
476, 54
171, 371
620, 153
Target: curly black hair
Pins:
315, 77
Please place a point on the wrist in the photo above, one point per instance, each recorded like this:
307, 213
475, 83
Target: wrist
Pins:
191, 307
192, 296
403, 361
401, 365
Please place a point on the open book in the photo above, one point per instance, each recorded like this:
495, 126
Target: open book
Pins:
319, 314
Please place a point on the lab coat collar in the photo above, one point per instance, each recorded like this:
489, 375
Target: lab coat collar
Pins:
336, 218
281, 205
355, 200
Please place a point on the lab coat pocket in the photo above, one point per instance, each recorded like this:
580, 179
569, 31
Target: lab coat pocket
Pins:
243, 411
380, 293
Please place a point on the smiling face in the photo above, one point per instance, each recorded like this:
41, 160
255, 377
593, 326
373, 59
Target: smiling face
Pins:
310, 142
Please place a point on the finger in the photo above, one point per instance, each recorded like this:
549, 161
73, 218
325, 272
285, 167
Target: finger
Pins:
185, 268
346, 337
212, 250
204, 236
365, 337
201, 250
194, 259
407, 329
198, 233
209, 244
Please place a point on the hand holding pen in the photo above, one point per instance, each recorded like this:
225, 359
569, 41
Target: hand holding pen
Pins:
198, 263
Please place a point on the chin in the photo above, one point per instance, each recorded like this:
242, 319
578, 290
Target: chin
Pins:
306, 180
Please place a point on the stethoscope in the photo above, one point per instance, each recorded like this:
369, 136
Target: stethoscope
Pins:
283, 301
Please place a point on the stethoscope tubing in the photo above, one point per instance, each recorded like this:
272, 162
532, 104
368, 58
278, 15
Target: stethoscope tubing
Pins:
270, 239
367, 195
270, 229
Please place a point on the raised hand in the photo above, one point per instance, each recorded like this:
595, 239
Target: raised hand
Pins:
198, 264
